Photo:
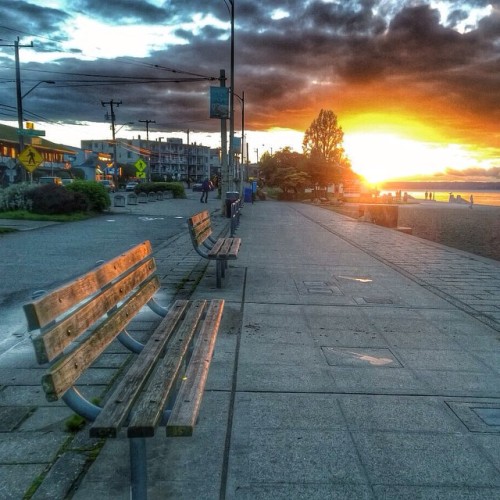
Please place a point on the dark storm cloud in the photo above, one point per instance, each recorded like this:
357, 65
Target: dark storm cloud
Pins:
320, 53
21, 18
122, 11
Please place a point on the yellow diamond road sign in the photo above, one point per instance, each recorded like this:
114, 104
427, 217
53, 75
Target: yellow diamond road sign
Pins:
140, 175
140, 165
30, 158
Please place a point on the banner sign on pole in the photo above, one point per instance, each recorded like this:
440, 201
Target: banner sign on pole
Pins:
219, 102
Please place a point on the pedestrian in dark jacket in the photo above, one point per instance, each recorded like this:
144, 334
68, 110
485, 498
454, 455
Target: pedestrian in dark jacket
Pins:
205, 188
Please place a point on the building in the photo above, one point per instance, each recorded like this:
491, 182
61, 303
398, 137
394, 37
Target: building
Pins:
56, 157
170, 159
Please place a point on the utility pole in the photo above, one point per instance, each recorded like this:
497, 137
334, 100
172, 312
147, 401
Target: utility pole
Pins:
231, 96
111, 104
223, 142
147, 122
19, 95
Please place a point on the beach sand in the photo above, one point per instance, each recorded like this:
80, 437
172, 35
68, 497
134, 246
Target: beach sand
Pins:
475, 230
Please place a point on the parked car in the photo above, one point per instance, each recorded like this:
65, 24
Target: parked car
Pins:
109, 185
130, 186
50, 180
197, 187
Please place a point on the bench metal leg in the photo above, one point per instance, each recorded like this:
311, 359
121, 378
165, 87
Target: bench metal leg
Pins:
138, 469
218, 273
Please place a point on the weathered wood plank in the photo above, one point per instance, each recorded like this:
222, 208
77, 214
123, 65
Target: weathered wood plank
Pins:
64, 372
214, 251
120, 402
235, 248
187, 405
51, 343
149, 407
44, 310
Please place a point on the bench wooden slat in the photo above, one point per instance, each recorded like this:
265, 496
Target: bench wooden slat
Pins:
200, 217
188, 402
225, 248
200, 229
44, 310
214, 251
234, 249
116, 410
149, 407
51, 343
66, 371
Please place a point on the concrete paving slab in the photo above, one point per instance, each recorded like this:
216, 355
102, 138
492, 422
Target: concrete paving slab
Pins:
293, 456
402, 413
424, 459
16, 479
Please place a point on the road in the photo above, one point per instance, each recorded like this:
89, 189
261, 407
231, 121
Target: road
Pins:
43, 258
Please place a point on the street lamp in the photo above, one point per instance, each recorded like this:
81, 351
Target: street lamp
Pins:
20, 118
231, 102
51, 82
242, 101
20, 97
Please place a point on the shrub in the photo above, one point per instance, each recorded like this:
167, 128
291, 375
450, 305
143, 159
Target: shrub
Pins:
53, 199
15, 197
96, 194
147, 187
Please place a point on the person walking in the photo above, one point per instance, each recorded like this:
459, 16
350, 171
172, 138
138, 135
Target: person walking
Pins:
471, 200
205, 188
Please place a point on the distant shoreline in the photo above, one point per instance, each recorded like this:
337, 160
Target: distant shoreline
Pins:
440, 186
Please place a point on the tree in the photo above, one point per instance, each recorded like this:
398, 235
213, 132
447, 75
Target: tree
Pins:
323, 146
284, 169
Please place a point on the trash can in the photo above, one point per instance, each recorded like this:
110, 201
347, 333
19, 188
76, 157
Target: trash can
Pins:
231, 196
248, 195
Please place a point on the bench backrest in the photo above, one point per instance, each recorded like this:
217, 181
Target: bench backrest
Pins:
200, 227
105, 299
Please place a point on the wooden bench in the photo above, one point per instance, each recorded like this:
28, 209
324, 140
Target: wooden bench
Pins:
221, 250
165, 382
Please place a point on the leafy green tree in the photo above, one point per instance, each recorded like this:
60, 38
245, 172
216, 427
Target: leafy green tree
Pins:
323, 147
285, 169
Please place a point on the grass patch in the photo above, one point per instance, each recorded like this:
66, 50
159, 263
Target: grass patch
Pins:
25, 215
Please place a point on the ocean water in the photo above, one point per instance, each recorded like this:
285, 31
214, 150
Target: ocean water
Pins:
480, 197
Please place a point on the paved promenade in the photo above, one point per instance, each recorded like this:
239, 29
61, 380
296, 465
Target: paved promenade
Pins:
353, 362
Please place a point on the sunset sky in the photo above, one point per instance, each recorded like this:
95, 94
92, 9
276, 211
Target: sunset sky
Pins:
415, 84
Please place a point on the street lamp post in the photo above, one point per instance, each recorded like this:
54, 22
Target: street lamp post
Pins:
20, 97
242, 100
231, 96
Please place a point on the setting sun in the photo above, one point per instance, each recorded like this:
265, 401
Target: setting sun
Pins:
380, 156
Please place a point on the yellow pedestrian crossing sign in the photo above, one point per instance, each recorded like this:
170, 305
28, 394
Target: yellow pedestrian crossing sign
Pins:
30, 158
140, 165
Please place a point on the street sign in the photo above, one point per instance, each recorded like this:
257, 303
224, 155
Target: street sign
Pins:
140, 165
30, 158
30, 132
140, 175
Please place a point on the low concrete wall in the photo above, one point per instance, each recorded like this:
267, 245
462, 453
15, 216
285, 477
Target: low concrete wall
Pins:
382, 215
474, 230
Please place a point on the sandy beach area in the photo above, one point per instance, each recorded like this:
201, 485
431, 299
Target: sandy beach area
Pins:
475, 230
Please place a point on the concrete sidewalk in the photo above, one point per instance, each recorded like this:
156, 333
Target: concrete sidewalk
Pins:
353, 361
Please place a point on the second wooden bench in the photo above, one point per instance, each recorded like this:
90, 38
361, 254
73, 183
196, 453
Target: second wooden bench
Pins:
221, 250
